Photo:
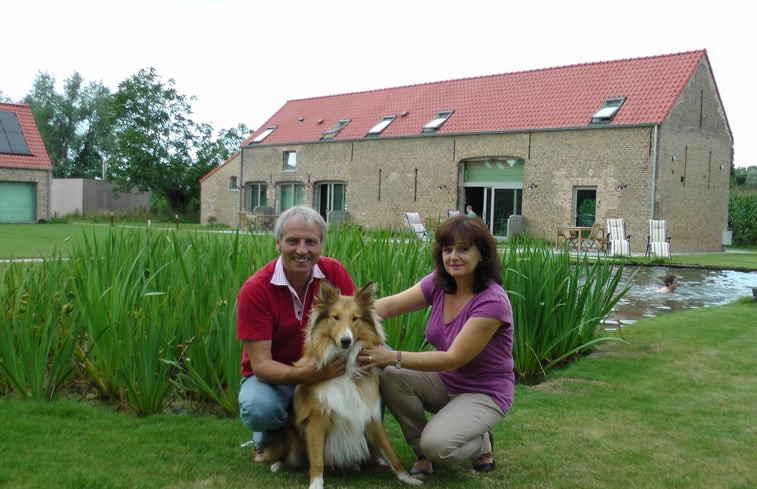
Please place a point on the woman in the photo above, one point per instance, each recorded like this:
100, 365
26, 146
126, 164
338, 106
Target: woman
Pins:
467, 381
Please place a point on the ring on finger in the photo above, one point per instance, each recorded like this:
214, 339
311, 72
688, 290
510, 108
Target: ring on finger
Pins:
370, 359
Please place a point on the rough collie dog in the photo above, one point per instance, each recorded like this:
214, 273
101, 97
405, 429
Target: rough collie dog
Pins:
335, 423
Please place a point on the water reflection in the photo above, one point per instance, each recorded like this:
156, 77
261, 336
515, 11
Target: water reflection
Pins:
696, 288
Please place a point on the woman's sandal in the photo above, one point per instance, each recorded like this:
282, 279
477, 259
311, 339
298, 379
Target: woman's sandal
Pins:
422, 468
485, 463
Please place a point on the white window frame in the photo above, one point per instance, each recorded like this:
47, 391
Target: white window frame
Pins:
264, 134
334, 130
608, 110
289, 161
437, 122
379, 127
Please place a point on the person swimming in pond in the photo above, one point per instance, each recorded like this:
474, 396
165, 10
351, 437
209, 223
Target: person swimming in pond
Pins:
671, 284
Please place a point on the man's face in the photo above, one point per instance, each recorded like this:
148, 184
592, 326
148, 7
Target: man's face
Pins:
300, 247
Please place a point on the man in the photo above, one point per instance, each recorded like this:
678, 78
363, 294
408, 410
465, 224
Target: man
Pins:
273, 306
469, 211
671, 284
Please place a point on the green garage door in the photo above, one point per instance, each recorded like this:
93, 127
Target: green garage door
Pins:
17, 202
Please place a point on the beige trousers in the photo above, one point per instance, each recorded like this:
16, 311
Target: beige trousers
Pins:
456, 430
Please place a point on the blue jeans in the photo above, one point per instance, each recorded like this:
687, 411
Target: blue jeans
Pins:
263, 407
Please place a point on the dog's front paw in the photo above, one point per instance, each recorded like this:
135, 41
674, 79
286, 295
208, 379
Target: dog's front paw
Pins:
316, 483
409, 479
276, 466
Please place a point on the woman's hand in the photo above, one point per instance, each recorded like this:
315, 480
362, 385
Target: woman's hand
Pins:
378, 356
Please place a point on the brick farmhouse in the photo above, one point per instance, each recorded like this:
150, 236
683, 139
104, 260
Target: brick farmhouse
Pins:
634, 138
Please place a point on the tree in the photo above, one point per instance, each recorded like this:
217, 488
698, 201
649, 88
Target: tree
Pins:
213, 152
72, 124
155, 141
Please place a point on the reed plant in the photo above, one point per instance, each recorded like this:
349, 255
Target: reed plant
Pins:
37, 332
558, 304
212, 268
147, 317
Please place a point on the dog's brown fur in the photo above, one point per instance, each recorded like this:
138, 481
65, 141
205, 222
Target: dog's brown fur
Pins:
336, 422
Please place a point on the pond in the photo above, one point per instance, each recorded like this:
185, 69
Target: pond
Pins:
697, 287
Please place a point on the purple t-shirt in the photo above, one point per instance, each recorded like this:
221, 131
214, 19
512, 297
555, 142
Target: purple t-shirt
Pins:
491, 372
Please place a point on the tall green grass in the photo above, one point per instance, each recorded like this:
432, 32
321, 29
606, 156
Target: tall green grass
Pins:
558, 304
38, 334
146, 317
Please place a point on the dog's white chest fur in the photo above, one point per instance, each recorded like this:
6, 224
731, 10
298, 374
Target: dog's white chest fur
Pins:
345, 444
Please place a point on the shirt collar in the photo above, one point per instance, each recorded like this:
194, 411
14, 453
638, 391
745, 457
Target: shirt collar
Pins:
280, 278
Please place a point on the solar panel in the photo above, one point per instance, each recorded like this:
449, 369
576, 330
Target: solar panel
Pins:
12, 140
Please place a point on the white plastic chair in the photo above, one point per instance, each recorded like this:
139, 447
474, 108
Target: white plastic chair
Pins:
618, 242
658, 241
415, 223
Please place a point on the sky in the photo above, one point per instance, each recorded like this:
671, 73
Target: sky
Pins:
244, 59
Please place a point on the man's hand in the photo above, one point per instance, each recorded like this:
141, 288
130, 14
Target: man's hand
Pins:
334, 368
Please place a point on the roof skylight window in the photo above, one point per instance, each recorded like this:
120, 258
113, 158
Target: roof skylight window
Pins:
435, 123
335, 129
607, 111
378, 128
264, 134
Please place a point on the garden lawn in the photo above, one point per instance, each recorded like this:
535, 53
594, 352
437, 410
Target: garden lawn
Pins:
672, 407
41, 240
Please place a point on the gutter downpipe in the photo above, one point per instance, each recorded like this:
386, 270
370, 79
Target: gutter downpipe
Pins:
241, 172
654, 169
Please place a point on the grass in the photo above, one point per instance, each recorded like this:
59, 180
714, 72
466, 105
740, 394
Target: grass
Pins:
41, 240
734, 259
673, 407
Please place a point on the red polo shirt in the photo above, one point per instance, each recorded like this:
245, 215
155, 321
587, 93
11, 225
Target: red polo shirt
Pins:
266, 311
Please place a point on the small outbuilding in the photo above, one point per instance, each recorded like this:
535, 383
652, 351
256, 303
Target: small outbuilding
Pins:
25, 168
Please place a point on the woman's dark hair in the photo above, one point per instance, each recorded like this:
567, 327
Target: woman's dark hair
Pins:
470, 231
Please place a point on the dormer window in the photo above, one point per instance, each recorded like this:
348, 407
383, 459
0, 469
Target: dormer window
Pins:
331, 133
381, 125
607, 111
435, 123
264, 134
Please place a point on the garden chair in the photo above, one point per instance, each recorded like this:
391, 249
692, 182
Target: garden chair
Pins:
597, 238
416, 225
246, 220
263, 218
658, 241
618, 242
566, 237
337, 218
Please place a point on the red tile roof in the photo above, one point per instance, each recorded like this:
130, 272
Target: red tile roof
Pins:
38, 160
548, 98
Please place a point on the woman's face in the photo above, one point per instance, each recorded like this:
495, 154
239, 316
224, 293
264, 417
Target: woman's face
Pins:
460, 259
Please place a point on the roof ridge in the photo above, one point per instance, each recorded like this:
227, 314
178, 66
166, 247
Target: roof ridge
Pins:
495, 75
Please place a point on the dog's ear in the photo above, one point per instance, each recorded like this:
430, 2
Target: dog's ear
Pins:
327, 293
367, 294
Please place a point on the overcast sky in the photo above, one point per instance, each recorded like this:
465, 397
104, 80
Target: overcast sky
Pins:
243, 59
